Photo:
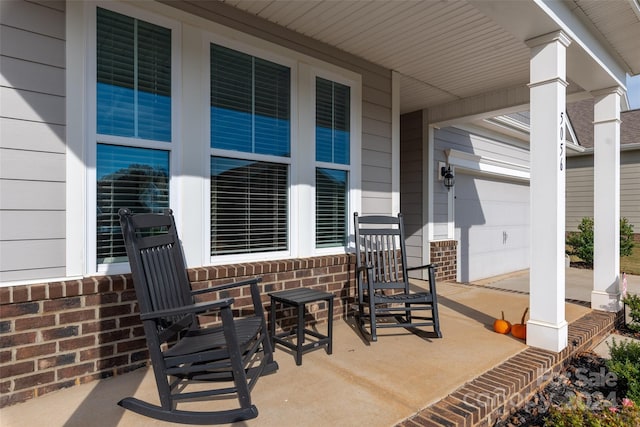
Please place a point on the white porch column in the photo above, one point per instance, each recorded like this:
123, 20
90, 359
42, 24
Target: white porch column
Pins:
606, 229
547, 327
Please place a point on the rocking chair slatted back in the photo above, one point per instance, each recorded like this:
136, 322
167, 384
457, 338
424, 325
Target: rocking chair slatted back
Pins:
228, 357
383, 282
159, 260
382, 250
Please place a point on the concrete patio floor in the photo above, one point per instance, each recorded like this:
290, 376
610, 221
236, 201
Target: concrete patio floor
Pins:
377, 384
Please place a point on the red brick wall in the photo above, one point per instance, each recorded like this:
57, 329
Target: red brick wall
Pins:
444, 253
58, 334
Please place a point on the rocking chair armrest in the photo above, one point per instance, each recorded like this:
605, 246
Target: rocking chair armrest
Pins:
198, 307
422, 267
364, 268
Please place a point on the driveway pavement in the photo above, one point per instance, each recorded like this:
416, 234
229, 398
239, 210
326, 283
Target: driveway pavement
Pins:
578, 283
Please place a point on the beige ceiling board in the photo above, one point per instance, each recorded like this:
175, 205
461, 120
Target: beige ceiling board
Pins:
448, 51
416, 95
618, 24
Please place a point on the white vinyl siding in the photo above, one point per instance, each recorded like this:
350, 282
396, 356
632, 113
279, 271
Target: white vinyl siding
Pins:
32, 151
466, 142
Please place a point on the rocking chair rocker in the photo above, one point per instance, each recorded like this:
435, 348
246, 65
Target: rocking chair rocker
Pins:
383, 283
228, 358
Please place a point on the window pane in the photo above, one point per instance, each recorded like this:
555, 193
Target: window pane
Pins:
272, 93
133, 178
154, 82
331, 208
248, 206
231, 100
116, 85
250, 103
133, 77
332, 122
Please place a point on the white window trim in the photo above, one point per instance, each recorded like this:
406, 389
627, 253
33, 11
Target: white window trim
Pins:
82, 138
353, 168
93, 138
304, 71
241, 46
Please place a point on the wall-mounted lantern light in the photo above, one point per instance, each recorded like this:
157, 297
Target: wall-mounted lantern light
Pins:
447, 174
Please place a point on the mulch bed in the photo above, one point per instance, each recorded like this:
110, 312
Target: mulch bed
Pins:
585, 376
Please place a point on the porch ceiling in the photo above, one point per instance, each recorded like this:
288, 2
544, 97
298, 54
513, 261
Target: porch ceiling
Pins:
446, 51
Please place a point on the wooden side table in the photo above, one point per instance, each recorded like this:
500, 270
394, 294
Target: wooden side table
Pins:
298, 298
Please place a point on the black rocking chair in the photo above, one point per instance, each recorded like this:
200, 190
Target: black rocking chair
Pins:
383, 283
228, 357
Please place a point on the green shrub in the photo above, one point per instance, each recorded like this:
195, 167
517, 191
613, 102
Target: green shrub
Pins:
626, 238
633, 302
581, 241
578, 414
625, 363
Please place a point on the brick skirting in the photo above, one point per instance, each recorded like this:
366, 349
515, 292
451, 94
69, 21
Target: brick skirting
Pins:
490, 397
59, 334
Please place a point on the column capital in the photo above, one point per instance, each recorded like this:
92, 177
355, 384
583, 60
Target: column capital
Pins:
556, 36
606, 105
615, 90
558, 80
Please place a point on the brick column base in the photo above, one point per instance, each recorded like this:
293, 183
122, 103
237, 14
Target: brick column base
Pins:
444, 253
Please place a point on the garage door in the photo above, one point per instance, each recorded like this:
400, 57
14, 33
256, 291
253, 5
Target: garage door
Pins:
492, 226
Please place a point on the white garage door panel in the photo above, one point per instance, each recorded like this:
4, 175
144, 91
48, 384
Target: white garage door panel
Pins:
492, 226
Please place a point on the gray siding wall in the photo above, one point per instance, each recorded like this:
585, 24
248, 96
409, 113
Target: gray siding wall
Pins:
630, 187
462, 140
376, 93
32, 126
32, 135
412, 191
580, 189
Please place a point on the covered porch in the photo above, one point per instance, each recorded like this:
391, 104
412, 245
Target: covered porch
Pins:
68, 319
472, 375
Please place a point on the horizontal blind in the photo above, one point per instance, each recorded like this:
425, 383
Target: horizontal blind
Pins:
132, 178
133, 77
332, 122
231, 100
331, 207
332, 146
250, 103
248, 206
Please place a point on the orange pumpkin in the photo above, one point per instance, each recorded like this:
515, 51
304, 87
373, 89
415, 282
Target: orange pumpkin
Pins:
501, 326
519, 330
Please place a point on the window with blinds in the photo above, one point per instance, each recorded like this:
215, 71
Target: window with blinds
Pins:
332, 146
250, 103
133, 77
331, 207
332, 122
250, 115
128, 177
248, 206
133, 100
